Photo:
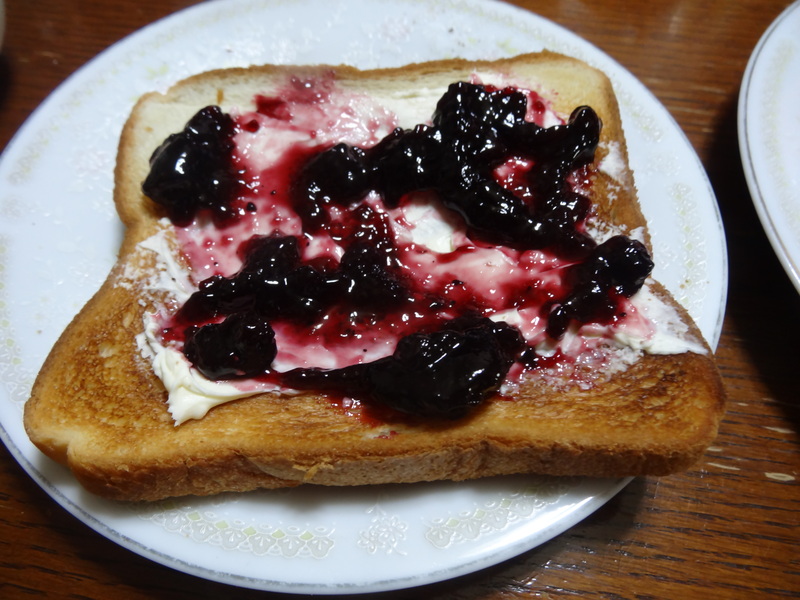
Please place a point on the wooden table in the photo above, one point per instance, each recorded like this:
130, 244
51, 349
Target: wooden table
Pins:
726, 529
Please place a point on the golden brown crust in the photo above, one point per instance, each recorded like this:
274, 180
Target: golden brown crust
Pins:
98, 407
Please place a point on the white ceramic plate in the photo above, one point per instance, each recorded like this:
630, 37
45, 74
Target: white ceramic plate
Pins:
769, 135
59, 235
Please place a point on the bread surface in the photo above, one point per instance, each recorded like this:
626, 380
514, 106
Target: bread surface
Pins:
97, 406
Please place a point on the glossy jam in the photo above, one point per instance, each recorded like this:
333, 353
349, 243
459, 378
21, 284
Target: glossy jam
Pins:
317, 268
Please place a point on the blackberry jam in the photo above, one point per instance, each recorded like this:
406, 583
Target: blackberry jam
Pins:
439, 374
448, 355
193, 169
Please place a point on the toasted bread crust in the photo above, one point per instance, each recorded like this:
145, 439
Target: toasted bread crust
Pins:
97, 406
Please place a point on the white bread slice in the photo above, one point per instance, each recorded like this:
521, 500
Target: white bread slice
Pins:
98, 407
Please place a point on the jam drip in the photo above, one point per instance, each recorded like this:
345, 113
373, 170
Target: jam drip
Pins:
452, 364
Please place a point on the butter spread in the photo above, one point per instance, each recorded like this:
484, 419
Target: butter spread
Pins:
427, 234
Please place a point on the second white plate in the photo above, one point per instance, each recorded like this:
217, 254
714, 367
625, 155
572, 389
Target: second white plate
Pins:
769, 135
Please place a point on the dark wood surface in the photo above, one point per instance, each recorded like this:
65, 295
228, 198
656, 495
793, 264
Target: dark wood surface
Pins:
726, 529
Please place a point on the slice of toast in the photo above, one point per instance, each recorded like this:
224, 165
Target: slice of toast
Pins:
98, 407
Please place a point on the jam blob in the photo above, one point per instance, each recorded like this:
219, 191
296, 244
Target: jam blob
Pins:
193, 169
243, 345
617, 268
474, 129
274, 284
438, 374
459, 356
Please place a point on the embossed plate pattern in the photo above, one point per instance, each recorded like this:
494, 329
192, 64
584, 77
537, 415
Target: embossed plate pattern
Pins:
59, 235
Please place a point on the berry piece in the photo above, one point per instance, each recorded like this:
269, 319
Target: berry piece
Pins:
272, 283
405, 161
281, 285
617, 268
477, 118
441, 374
193, 169
366, 279
243, 345
338, 175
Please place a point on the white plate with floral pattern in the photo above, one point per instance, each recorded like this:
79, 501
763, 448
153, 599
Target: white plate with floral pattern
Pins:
59, 235
769, 135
